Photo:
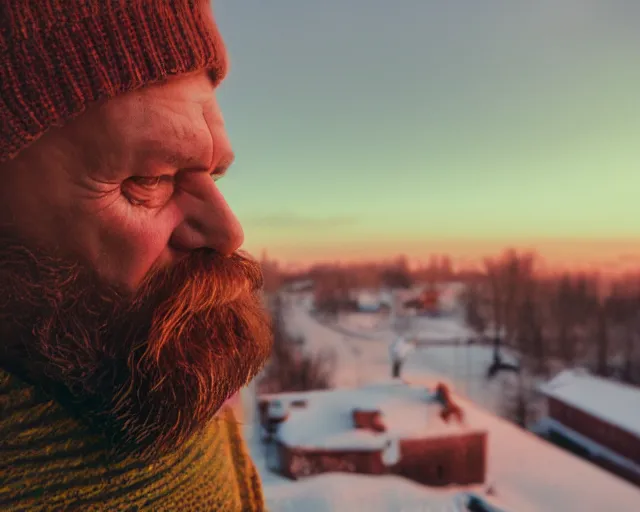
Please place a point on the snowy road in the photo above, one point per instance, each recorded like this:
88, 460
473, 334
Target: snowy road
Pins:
528, 474
362, 358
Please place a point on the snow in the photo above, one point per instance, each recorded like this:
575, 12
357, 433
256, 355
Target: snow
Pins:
528, 474
614, 402
391, 454
351, 493
368, 300
464, 368
326, 422
542, 477
427, 329
361, 356
363, 321
400, 349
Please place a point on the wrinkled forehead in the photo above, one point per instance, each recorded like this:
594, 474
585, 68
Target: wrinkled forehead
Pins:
176, 101
180, 111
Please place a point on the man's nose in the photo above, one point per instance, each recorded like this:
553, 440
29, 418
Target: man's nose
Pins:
208, 220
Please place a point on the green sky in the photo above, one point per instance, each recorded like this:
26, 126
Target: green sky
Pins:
396, 124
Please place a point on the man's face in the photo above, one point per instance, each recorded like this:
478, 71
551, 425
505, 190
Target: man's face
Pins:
129, 185
118, 257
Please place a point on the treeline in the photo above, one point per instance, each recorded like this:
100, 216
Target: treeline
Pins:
560, 320
392, 273
564, 320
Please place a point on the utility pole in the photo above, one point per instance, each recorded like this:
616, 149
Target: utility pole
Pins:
394, 313
467, 376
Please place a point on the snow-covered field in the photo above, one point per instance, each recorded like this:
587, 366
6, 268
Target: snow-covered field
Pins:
526, 473
364, 355
364, 322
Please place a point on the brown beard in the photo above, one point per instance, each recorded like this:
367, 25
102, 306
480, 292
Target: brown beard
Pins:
149, 369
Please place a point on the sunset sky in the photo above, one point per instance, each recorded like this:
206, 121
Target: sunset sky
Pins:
369, 128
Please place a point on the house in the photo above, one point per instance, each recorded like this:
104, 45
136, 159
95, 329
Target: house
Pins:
427, 302
368, 301
392, 427
373, 301
299, 286
596, 418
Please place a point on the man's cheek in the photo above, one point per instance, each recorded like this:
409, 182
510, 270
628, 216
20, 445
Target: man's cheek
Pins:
126, 256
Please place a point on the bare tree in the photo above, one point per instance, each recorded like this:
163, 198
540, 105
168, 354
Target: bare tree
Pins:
623, 305
509, 277
398, 274
530, 331
445, 268
271, 275
492, 270
290, 367
602, 342
518, 402
332, 291
565, 314
472, 308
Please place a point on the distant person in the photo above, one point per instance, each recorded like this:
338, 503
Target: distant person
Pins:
399, 350
450, 409
128, 318
498, 363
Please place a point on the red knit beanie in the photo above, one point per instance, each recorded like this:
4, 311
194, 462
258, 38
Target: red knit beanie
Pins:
58, 56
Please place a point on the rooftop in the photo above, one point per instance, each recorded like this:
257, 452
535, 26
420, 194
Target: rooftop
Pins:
407, 410
614, 402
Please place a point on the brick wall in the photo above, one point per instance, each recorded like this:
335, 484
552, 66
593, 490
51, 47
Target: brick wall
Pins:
443, 461
602, 432
298, 463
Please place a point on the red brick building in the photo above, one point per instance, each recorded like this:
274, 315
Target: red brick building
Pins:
299, 462
596, 418
393, 428
444, 460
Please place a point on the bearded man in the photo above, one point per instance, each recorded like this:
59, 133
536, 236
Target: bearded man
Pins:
128, 318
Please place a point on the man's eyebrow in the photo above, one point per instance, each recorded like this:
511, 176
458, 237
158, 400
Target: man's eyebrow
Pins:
180, 153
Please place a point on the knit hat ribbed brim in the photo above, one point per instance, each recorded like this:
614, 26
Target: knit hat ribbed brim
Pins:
58, 56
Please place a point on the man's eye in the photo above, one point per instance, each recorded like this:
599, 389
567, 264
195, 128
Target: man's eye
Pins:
149, 191
150, 182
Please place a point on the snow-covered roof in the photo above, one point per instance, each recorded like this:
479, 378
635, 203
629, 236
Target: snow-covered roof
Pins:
408, 412
613, 402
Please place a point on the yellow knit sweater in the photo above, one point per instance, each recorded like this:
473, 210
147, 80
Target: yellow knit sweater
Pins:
50, 462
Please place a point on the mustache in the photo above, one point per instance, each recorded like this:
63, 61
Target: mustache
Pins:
219, 279
174, 298
38, 277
